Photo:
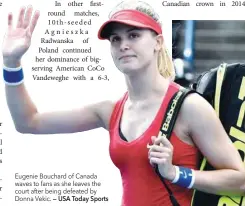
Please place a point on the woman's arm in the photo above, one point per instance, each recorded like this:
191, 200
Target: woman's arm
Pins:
28, 120
210, 137
24, 113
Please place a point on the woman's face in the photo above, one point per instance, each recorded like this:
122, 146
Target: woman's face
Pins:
132, 48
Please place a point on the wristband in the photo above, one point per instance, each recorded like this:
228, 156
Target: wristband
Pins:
13, 76
176, 175
184, 177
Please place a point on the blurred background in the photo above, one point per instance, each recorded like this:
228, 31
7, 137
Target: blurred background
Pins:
199, 46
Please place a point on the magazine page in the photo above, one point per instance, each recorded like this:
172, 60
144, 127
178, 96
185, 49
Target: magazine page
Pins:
88, 85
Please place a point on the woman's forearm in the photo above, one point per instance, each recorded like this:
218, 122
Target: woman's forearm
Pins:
19, 102
222, 182
20, 106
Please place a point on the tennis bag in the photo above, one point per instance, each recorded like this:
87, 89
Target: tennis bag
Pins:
224, 88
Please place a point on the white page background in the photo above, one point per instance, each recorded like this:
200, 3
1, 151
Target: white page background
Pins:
83, 153
87, 152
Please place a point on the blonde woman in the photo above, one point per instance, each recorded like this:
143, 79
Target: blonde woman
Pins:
133, 122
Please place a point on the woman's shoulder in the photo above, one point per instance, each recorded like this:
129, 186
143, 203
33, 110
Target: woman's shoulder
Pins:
191, 100
195, 103
106, 108
195, 109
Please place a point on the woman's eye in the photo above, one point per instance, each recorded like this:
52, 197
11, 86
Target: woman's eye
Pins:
115, 39
133, 35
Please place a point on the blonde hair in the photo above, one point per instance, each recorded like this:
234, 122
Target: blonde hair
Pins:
164, 60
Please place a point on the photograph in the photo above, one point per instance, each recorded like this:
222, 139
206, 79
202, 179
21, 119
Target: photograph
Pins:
117, 103
209, 55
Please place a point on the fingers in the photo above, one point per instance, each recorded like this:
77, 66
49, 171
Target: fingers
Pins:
157, 161
161, 150
34, 21
164, 141
27, 17
158, 148
153, 138
158, 152
21, 17
159, 155
10, 20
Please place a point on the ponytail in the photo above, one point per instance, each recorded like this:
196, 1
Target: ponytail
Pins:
165, 64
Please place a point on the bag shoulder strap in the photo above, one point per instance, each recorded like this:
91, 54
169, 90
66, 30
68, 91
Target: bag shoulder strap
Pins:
172, 111
167, 126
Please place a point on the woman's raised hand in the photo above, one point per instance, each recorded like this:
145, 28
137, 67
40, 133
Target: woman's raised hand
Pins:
18, 40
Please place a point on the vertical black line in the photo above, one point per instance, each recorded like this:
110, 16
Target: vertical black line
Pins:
240, 204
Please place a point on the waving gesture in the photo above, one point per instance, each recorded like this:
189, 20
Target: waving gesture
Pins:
18, 40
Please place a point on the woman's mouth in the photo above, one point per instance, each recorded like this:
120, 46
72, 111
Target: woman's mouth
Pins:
126, 57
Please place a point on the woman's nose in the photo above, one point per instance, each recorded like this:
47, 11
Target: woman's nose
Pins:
124, 45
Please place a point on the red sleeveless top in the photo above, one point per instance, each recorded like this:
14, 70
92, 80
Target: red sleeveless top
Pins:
141, 185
